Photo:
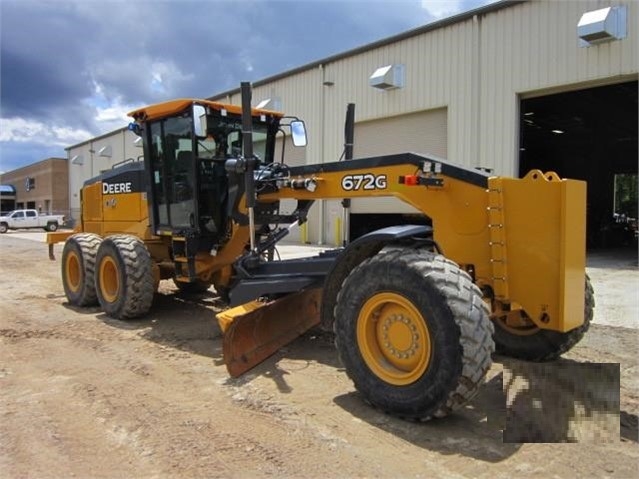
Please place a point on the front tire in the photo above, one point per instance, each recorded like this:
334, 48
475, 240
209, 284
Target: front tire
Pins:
535, 344
413, 333
124, 278
52, 227
78, 268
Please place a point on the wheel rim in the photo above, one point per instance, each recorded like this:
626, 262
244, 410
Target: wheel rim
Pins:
109, 279
73, 272
393, 339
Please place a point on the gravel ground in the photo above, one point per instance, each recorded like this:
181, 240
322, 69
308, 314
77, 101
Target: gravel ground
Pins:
83, 395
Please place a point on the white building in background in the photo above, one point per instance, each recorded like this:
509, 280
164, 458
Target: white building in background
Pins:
509, 86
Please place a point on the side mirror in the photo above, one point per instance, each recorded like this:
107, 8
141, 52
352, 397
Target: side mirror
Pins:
298, 133
199, 120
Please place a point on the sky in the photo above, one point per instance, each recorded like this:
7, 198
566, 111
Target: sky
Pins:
70, 70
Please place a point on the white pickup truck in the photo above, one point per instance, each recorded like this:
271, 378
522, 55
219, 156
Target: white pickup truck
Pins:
19, 219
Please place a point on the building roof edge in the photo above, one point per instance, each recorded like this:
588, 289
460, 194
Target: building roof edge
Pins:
444, 22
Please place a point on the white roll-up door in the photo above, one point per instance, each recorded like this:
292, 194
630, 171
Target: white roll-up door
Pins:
422, 132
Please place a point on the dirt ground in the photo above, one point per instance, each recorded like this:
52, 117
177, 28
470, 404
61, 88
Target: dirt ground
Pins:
83, 395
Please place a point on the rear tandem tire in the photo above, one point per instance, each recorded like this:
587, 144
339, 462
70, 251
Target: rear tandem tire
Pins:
78, 268
542, 344
413, 333
124, 277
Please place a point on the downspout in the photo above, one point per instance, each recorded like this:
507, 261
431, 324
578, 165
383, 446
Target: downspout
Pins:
320, 239
91, 151
476, 93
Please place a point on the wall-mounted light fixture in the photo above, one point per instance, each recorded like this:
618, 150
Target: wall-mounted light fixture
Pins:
603, 25
388, 77
77, 160
105, 152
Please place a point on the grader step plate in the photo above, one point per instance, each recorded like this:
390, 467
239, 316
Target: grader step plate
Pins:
255, 331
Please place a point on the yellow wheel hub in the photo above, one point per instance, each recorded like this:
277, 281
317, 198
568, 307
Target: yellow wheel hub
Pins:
393, 339
109, 279
73, 271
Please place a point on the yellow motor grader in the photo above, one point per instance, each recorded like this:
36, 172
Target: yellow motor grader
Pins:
416, 310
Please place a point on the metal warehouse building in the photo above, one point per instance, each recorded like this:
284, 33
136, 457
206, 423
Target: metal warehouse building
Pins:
92, 157
509, 87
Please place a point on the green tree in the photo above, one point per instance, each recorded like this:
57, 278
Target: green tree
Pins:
626, 195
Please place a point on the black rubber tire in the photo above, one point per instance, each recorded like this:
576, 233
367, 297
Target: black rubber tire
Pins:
3, 228
52, 227
457, 321
223, 293
124, 277
545, 345
197, 287
78, 268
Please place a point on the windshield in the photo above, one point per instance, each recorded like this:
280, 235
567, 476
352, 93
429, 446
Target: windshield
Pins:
224, 139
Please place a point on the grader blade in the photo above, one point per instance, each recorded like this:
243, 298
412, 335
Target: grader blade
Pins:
255, 331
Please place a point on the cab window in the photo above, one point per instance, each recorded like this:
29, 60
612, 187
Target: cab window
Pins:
172, 176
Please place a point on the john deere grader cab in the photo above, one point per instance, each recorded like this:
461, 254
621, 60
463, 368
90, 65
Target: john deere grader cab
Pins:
416, 310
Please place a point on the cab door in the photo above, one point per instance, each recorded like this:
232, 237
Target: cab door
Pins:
18, 219
31, 219
173, 175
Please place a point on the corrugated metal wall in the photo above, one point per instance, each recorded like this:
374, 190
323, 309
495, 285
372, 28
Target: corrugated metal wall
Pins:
532, 49
478, 69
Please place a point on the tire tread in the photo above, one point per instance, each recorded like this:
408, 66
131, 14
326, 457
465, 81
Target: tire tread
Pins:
138, 288
87, 244
470, 313
546, 345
